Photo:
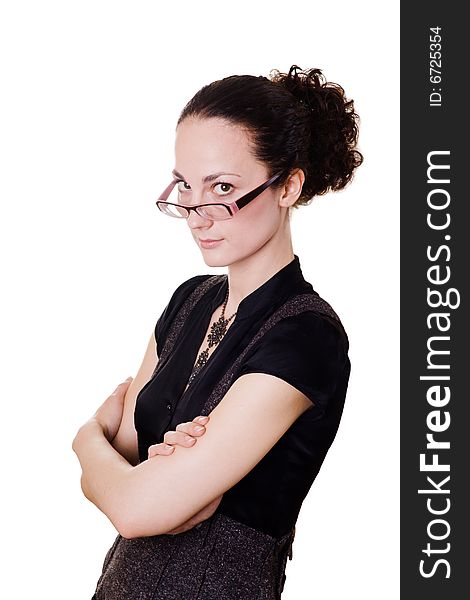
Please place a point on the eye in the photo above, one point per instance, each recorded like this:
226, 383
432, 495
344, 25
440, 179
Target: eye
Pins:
181, 185
225, 188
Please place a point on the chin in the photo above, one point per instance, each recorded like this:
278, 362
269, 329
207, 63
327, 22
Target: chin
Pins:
214, 261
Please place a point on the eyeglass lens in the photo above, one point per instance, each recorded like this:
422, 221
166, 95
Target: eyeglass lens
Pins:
215, 212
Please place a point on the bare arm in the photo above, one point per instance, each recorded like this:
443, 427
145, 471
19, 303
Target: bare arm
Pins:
158, 495
125, 441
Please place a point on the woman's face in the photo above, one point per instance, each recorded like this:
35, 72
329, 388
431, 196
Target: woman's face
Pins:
206, 147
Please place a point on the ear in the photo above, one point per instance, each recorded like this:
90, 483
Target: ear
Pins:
292, 188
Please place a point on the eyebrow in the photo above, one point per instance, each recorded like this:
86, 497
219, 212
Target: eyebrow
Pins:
207, 178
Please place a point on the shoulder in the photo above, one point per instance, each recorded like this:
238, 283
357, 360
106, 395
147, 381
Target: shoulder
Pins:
307, 350
186, 288
308, 330
177, 299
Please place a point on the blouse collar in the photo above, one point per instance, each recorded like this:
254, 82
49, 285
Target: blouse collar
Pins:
272, 292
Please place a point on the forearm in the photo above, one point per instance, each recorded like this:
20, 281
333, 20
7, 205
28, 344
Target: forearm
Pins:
105, 473
115, 486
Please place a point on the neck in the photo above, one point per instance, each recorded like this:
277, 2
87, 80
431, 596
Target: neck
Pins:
248, 274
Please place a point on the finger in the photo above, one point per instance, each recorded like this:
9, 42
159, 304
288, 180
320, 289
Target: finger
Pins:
179, 437
160, 449
203, 419
191, 428
180, 529
122, 386
164, 450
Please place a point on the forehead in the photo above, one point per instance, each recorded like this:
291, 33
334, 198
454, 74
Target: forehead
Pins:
212, 144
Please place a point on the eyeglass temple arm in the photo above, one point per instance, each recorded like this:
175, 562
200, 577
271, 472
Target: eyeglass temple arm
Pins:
167, 191
251, 195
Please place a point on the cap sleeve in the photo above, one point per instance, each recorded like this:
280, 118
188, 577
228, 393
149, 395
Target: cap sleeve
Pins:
307, 351
170, 311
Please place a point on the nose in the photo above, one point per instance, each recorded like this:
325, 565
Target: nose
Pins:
195, 220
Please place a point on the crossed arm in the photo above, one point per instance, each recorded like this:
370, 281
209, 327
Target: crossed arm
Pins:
160, 494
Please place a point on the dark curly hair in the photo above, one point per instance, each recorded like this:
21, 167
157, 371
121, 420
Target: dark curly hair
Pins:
296, 120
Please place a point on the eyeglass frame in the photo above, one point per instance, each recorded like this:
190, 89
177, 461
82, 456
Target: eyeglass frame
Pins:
232, 207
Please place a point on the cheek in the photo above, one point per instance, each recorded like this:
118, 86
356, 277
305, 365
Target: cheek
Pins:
257, 223
263, 214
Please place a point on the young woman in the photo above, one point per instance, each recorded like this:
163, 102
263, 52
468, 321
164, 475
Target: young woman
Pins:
211, 514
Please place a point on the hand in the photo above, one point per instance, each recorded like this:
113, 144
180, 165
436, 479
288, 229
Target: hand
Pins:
109, 414
185, 435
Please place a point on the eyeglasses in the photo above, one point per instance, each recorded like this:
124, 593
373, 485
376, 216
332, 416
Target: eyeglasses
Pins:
215, 211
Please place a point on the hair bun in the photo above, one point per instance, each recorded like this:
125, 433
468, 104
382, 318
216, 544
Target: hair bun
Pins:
304, 85
333, 126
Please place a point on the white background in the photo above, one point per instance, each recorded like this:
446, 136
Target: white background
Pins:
90, 96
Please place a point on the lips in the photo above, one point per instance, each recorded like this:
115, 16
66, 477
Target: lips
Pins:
209, 243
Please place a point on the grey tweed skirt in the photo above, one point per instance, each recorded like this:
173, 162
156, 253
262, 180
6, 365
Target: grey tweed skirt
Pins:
219, 559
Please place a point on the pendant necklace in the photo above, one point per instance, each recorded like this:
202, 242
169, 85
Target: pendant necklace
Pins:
217, 332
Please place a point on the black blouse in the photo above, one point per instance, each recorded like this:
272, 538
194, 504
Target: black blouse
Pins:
307, 350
